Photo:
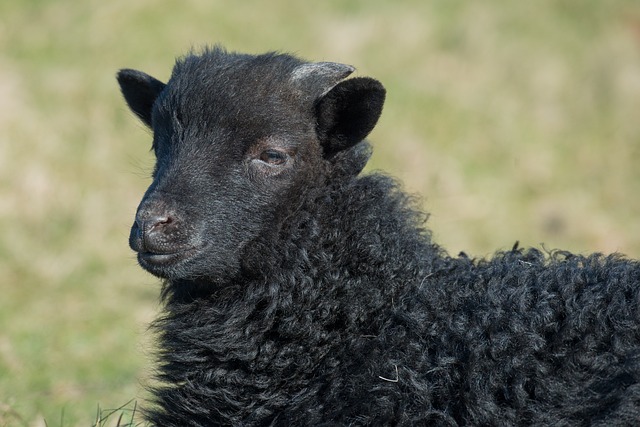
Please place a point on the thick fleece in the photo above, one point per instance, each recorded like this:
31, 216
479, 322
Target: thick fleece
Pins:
299, 291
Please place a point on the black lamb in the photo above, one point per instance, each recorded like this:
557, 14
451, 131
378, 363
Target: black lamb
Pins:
298, 291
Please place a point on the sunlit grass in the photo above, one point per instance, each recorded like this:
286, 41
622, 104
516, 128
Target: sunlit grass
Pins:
514, 120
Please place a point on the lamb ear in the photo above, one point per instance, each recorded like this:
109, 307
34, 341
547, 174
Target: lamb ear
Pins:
351, 162
140, 90
317, 78
348, 112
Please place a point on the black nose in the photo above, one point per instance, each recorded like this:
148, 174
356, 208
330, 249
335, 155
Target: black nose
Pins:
154, 231
155, 224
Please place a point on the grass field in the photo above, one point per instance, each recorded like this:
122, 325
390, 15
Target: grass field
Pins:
514, 120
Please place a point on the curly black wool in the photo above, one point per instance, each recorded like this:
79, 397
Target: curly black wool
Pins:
298, 291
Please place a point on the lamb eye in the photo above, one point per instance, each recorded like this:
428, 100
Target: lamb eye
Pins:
273, 157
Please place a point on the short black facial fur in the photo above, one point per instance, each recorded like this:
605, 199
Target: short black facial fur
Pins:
221, 161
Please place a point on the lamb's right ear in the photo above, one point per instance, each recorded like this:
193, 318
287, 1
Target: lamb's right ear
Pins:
348, 112
140, 90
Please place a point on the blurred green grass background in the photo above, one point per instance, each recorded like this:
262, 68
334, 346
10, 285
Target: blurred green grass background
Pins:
514, 120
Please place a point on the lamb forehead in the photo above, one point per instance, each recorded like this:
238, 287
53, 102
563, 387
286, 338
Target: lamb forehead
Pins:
271, 71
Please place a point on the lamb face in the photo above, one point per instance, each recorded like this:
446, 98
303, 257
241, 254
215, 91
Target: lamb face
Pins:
237, 139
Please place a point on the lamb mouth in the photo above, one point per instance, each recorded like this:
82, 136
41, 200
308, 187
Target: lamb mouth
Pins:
153, 261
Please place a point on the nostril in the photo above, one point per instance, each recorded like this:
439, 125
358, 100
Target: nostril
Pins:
156, 228
148, 222
161, 221
156, 223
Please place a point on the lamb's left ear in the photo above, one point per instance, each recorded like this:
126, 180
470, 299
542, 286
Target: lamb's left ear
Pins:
140, 90
348, 112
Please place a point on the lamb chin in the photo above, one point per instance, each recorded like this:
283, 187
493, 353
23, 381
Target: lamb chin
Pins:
164, 266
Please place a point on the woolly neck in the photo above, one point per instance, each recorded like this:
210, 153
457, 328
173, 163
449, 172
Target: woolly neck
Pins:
326, 277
